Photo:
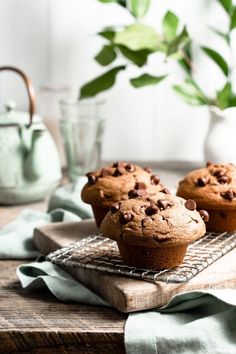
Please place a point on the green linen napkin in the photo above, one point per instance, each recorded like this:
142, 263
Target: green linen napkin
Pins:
16, 237
201, 322
44, 274
64, 205
69, 198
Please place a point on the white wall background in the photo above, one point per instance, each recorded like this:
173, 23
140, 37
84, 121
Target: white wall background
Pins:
54, 42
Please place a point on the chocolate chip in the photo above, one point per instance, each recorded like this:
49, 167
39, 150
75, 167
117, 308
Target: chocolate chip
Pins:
135, 193
125, 217
118, 164
118, 172
201, 181
130, 167
209, 163
155, 179
164, 204
105, 172
165, 191
190, 204
148, 169
204, 215
229, 195
140, 185
91, 177
151, 210
114, 208
218, 173
223, 179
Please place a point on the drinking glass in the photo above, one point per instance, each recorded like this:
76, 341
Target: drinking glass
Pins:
49, 110
82, 127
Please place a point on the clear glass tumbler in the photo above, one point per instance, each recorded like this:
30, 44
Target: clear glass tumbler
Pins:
49, 96
82, 126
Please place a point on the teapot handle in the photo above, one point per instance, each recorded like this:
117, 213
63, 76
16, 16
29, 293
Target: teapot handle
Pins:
29, 87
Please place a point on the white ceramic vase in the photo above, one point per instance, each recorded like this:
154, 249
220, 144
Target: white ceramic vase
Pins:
220, 143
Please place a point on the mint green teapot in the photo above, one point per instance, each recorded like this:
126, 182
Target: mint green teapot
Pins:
29, 162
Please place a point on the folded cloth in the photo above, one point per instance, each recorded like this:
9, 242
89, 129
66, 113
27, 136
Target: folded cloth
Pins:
44, 274
64, 205
69, 198
193, 322
16, 237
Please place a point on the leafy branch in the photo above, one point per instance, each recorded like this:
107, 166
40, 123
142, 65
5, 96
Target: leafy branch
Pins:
225, 97
135, 43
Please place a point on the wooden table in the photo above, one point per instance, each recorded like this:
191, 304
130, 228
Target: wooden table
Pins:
36, 322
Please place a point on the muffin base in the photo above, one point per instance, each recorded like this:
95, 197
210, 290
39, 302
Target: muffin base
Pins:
220, 221
99, 214
152, 258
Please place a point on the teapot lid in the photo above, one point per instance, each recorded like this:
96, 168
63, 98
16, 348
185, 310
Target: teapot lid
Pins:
13, 117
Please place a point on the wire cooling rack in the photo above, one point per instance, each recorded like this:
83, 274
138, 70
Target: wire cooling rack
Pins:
99, 253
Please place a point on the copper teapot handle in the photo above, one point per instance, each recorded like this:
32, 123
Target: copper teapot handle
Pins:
29, 87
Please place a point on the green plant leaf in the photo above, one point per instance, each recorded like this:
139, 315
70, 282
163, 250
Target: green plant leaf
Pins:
107, 34
106, 56
218, 59
193, 88
146, 80
227, 5
101, 83
191, 92
186, 58
223, 96
138, 37
188, 97
233, 19
232, 102
185, 65
139, 8
178, 41
138, 57
223, 35
170, 25
120, 2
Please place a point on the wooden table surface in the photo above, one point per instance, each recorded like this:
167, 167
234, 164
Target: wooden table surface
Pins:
36, 322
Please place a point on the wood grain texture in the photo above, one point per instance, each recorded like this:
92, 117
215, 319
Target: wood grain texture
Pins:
127, 295
36, 322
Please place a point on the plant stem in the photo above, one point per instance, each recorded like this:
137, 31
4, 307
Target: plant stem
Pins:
188, 61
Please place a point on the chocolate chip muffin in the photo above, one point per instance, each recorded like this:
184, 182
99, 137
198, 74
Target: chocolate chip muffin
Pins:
115, 183
153, 233
214, 189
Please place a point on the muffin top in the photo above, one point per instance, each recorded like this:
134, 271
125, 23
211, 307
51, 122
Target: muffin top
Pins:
212, 187
113, 183
163, 221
